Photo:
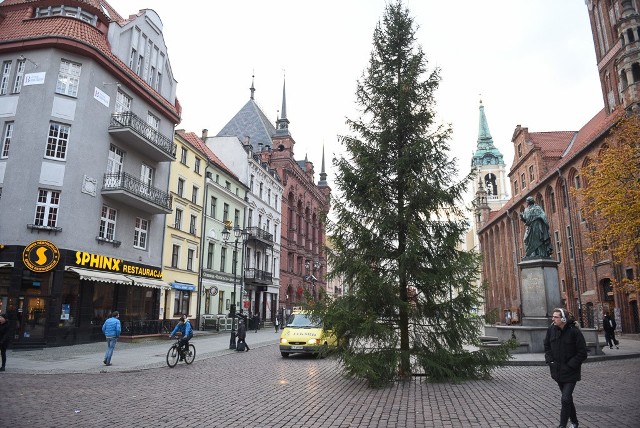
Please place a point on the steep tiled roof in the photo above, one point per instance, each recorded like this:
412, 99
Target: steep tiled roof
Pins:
192, 138
20, 31
552, 143
250, 122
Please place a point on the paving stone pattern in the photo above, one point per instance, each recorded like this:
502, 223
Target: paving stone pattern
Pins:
261, 389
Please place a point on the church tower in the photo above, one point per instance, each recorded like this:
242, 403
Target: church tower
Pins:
490, 167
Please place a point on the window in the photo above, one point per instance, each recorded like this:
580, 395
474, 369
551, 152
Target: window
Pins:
146, 176
4, 79
194, 194
225, 212
570, 242
214, 202
180, 190
227, 185
236, 217
114, 161
515, 187
181, 302
6, 140
269, 196
275, 202
177, 223
519, 150
154, 123
576, 181
261, 186
183, 155
57, 141
140, 234
196, 166
47, 208
192, 224
223, 258
552, 199
123, 102
531, 175
107, 223
522, 179
190, 254
210, 256
558, 246
68, 78
251, 183
250, 218
175, 255
17, 81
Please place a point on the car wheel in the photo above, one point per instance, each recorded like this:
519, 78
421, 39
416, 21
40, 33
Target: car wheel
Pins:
284, 354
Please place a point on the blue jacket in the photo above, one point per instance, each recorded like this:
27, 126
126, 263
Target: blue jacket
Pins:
111, 327
185, 329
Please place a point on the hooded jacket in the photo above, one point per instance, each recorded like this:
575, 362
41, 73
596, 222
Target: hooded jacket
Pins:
565, 350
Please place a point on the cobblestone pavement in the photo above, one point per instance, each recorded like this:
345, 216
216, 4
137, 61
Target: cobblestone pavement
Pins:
261, 389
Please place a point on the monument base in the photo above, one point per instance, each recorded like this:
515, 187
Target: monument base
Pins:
540, 291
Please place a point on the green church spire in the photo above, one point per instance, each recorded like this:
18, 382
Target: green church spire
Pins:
486, 153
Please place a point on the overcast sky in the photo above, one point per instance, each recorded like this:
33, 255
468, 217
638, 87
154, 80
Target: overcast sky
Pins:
531, 62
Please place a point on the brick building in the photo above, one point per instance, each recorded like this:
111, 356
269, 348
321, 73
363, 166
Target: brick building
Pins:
546, 166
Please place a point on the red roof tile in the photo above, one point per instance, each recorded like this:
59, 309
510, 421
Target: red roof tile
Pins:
192, 138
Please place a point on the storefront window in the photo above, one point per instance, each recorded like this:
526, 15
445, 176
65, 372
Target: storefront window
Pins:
103, 294
181, 302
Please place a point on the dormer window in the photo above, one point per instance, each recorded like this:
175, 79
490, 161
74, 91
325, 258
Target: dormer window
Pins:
519, 150
68, 11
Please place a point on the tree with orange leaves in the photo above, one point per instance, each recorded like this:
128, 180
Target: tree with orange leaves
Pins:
611, 197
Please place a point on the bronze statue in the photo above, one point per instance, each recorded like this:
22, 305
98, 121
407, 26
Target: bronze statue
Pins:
537, 241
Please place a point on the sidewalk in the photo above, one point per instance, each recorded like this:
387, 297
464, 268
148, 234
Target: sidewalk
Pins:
151, 353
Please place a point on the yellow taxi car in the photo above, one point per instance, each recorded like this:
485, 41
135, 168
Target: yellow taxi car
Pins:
304, 335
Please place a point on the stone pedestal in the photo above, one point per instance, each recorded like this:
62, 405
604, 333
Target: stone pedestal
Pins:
540, 291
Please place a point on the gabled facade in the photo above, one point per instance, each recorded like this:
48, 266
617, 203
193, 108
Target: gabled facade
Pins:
547, 166
304, 203
87, 111
261, 256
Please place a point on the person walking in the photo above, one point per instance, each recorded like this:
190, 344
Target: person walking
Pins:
111, 329
276, 324
6, 335
256, 321
242, 335
564, 351
609, 326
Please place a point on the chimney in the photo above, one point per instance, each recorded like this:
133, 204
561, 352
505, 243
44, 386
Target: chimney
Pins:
205, 132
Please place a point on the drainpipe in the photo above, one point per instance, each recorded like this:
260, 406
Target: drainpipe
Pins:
565, 192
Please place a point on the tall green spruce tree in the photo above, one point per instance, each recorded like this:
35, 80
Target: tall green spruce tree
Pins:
398, 224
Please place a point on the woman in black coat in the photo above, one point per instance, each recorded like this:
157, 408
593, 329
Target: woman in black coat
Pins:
565, 350
6, 334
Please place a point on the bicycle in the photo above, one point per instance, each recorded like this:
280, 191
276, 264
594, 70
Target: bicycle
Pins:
173, 355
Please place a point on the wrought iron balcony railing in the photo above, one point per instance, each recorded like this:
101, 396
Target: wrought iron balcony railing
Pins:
134, 123
134, 186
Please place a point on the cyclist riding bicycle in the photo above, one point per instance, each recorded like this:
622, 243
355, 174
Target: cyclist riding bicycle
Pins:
184, 327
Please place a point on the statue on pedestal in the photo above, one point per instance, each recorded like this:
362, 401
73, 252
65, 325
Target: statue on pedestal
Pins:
537, 241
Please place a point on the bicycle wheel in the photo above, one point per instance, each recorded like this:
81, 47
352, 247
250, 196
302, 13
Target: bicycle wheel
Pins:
172, 356
190, 355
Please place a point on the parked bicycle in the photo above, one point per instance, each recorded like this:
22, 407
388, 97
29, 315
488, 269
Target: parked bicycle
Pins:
175, 354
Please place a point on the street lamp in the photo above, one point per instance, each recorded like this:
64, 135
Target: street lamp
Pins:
237, 233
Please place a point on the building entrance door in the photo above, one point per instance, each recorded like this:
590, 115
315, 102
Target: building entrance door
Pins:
31, 319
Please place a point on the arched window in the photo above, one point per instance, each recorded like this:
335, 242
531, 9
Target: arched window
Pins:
607, 290
635, 71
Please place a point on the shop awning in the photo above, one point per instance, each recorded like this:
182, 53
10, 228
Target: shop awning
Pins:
183, 286
6, 264
100, 276
149, 282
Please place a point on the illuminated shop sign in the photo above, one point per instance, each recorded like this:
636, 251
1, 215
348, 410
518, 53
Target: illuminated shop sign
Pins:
112, 264
41, 256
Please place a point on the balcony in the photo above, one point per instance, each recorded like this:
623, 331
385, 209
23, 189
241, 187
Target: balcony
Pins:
132, 191
257, 234
136, 133
257, 277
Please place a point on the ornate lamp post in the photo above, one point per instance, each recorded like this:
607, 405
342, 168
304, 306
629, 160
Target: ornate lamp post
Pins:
237, 233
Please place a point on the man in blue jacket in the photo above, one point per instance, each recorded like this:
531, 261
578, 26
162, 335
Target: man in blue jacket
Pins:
184, 327
111, 329
565, 350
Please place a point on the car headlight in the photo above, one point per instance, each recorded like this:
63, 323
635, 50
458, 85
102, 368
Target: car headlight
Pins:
314, 341
283, 341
